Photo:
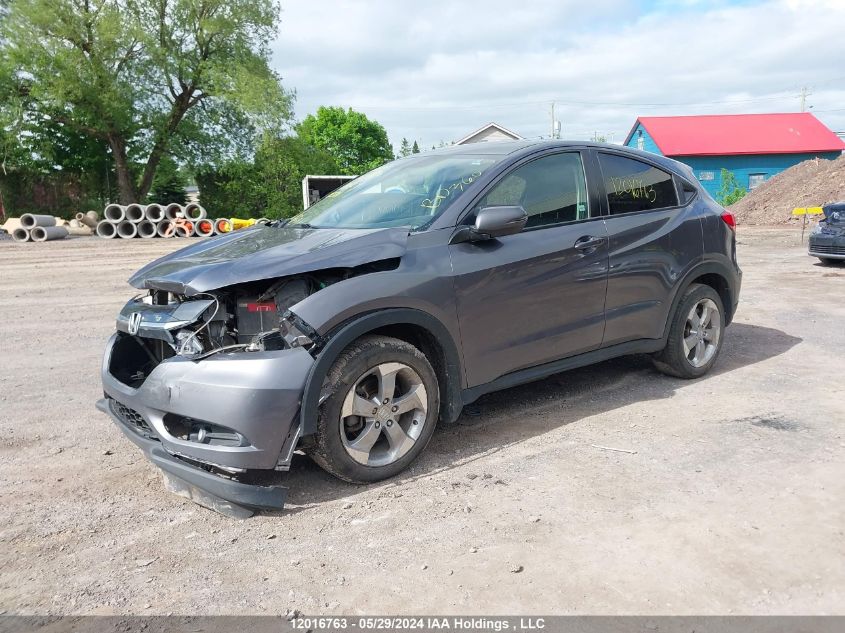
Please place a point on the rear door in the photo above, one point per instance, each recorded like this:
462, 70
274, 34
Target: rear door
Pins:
536, 296
652, 241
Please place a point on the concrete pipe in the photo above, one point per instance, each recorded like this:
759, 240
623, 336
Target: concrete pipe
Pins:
147, 229
222, 226
75, 224
115, 213
186, 229
107, 230
21, 235
134, 212
204, 228
30, 221
165, 229
86, 219
154, 212
193, 211
127, 230
46, 233
173, 211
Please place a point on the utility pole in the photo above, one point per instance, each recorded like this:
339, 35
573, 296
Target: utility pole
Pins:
804, 94
552, 135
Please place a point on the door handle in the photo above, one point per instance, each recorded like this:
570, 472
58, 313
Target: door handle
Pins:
588, 242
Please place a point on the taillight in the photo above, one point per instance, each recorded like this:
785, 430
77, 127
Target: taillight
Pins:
729, 219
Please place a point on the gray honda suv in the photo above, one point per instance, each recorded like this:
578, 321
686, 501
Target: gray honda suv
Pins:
350, 330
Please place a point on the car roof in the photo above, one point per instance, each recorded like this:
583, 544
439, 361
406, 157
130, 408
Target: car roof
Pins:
515, 149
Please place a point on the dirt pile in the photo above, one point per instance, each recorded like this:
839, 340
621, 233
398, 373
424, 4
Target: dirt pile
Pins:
813, 183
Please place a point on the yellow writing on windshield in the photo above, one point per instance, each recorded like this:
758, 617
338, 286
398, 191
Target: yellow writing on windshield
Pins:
443, 193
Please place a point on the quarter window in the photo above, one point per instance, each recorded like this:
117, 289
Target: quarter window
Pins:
632, 185
552, 190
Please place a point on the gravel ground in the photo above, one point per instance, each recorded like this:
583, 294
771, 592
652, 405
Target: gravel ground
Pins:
731, 503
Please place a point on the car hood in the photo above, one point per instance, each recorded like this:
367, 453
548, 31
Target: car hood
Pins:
267, 252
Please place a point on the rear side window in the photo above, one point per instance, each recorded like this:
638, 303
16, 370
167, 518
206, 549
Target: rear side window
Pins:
632, 185
551, 189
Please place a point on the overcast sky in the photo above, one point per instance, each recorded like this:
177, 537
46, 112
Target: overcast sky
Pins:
436, 70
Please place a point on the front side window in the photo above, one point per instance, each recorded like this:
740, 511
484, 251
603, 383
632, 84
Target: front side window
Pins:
632, 185
552, 190
410, 192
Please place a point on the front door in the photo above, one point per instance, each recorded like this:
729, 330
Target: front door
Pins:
536, 296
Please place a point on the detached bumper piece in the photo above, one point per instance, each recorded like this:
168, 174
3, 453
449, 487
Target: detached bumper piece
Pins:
226, 496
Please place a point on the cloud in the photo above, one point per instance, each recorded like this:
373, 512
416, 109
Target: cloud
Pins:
437, 70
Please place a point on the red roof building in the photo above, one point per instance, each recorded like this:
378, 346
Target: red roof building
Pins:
753, 146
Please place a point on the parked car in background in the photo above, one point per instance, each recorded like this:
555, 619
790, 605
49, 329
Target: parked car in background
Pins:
348, 331
827, 240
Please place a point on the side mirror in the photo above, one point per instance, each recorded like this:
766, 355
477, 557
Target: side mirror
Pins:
491, 222
500, 221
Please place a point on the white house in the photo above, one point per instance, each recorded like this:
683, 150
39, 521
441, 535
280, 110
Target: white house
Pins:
490, 132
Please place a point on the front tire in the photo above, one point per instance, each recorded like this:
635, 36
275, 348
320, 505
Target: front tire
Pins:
695, 336
380, 404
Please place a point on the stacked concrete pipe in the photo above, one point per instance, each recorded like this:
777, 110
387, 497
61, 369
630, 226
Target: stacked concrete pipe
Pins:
164, 229
173, 211
204, 228
29, 221
147, 229
127, 230
157, 220
47, 233
154, 212
194, 212
107, 230
222, 226
38, 228
115, 213
135, 213
21, 234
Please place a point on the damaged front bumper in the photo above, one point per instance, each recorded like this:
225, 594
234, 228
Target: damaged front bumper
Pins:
206, 422
223, 495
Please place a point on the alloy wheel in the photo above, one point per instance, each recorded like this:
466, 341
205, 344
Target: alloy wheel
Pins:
702, 332
383, 414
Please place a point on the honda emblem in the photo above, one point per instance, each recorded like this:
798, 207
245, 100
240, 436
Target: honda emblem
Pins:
134, 323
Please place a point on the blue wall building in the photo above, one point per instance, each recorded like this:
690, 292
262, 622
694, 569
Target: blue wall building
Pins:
754, 147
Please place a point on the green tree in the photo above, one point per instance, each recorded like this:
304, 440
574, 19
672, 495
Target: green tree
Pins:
730, 191
169, 184
404, 148
270, 186
415, 149
281, 164
128, 73
356, 143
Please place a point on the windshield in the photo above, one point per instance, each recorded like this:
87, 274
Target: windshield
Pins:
409, 192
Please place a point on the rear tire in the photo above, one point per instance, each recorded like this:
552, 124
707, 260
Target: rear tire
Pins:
381, 401
695, 336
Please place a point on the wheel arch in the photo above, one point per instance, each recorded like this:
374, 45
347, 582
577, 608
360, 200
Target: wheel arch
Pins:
713, 274
412, 326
